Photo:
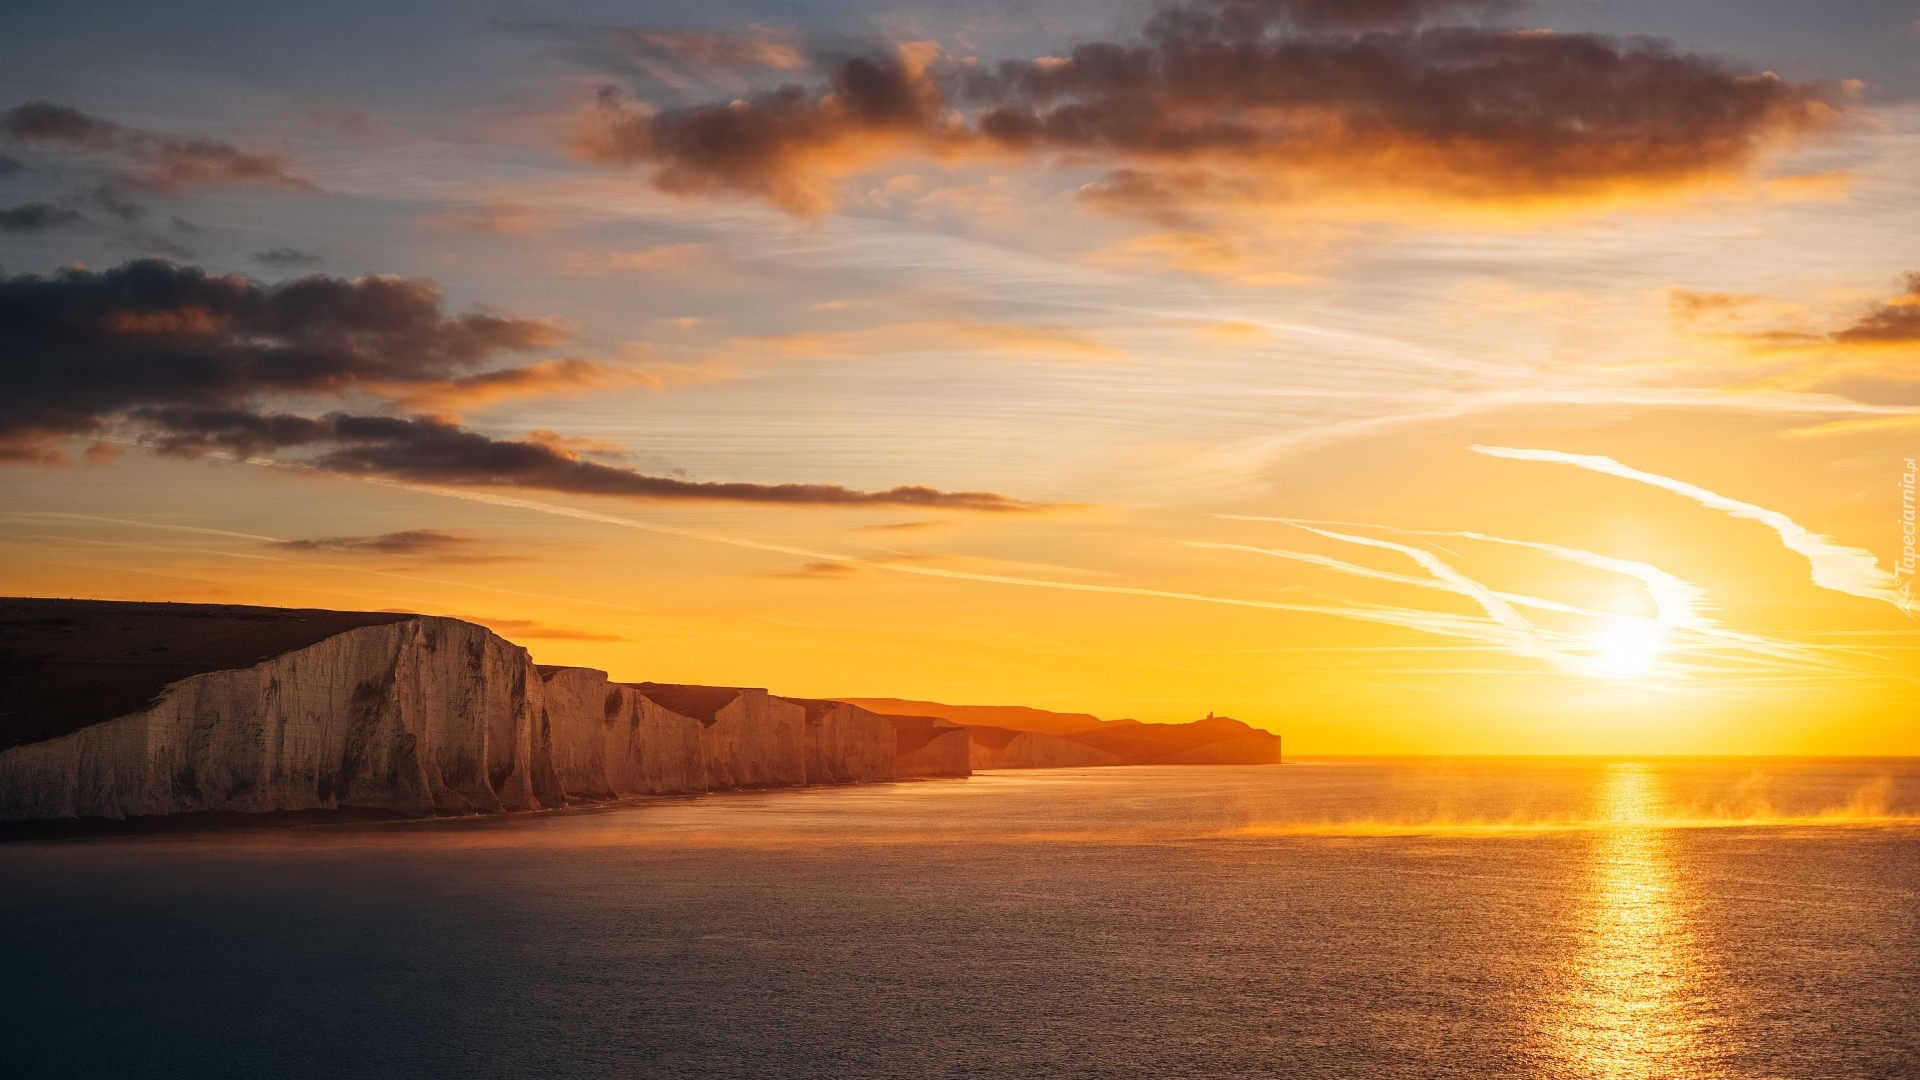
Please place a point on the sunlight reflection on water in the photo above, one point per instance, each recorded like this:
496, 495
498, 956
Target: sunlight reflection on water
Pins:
1416, 919
1637, 999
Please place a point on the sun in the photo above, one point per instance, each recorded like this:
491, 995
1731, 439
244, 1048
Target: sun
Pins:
1628, 645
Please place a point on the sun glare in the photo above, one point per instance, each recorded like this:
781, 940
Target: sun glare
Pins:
1627, 646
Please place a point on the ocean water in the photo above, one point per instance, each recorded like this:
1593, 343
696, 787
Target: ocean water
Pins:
1408, 918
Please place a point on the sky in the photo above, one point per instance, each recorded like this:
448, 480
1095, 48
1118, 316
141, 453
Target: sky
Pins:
1402, 376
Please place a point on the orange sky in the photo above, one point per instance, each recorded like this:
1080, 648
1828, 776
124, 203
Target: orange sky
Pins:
1305, 408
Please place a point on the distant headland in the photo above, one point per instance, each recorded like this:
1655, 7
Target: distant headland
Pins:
124, 710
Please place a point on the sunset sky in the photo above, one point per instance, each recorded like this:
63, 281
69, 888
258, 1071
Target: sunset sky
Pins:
1399, 375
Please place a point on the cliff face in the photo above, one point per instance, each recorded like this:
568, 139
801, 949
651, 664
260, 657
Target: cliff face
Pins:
751, 738
1012, 717
1216, 740
1000, 748
926, 746
1017, 737
431, 715
607, 740
847, 744
123, 710
67, 664
423, 716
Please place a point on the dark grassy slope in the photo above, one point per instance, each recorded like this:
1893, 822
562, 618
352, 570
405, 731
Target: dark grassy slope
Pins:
66, 664
913, 732
703, 703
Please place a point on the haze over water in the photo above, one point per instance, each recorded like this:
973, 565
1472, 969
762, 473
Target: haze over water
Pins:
1402, 918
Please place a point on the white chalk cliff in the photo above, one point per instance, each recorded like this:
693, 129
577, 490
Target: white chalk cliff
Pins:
111, 709
426, 715
433, 716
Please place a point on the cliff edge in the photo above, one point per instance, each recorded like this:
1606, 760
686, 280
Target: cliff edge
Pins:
122, 710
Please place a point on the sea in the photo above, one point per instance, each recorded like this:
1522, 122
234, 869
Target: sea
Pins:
1418, 918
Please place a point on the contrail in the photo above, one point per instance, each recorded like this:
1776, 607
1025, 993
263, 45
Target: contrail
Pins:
1678, 604
1836, 567
1407, 618
1518, 600
143, 524
1519, 634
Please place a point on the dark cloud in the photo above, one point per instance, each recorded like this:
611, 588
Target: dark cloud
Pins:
1253, 15
117, 202
186, 360
774, 143
145, 159
821, 570
11, 166
37, 217
429, 450
526, 628
413, 545
81, 346
286, 258
408, 542
1235, 102
1894, 322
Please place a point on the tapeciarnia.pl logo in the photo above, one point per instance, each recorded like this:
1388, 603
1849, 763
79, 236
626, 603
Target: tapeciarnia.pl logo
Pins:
1903, 567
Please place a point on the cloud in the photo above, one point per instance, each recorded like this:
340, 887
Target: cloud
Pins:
150, 160
1193, 252
81, 346
1892, 322
546, 378
117, 202
1353, 14
37, 217
1236, 103
416, 545
822, 570
408, 542
503, 219
429, 450
1835, 566
666, 258
1679, 619
286, 258
758, 48
780, 144
892, 339
527, 628
1869, 357
184, 360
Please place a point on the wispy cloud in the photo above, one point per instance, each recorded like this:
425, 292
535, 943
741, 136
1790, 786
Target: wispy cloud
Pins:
146, 159
1679, 624
1835, 566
